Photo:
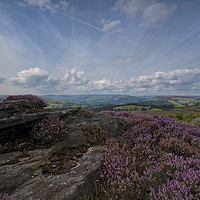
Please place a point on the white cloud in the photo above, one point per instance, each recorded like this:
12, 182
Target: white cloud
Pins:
153, 14
176, 80
100, 85
74, 78
34, 77
50, 5
108, 25
172, 82
156, 14
123, 61
130, 7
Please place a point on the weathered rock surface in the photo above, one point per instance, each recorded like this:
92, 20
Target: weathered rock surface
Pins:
25, 178
67, 169
22, 122
14, 108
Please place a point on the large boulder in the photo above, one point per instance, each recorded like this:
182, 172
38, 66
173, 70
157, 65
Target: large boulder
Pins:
21, 125
67, 169
13, 108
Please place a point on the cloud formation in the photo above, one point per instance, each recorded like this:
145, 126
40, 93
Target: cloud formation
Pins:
34, 77
176, 80
113, 26
172, 82
50, 5
74, 78
156, 14
130, 7
59, 6
123, 61
153, 14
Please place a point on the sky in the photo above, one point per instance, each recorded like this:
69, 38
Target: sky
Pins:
132, 47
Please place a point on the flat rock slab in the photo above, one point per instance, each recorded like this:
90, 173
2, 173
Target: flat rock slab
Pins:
18, 167
32, 184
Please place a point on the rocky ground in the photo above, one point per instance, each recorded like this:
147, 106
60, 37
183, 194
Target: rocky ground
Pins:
65, 170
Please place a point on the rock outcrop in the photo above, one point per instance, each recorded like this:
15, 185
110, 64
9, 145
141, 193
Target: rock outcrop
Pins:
66, 170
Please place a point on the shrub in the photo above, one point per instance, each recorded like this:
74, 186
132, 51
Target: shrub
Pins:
35, 100
158, 158
49, 130
94, 133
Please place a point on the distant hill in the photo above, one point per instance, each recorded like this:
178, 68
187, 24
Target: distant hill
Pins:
3, 97
91, 100
98, 102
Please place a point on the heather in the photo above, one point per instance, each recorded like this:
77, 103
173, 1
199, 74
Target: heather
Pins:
157, 158
95, 134
35, 100
49, 130
5, 196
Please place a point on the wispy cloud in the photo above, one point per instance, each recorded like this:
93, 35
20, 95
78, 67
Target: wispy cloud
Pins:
123, 61
130, 7
183, 40
104, 29
152, 13
108, 25
56, 7
80, 21
61, 5
45, 4
156, 14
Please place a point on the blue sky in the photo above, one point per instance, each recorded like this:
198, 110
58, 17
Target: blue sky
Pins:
136, 47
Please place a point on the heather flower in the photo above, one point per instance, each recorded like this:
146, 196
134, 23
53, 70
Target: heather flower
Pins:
157, 158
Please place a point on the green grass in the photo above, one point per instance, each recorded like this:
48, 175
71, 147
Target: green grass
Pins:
155, 109
176, 104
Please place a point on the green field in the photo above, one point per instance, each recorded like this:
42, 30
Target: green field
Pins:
176, 104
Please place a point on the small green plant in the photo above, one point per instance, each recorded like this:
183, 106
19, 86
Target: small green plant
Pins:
197, 124
97, 195
184, 117
49, 130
